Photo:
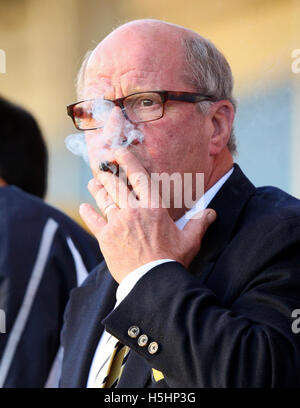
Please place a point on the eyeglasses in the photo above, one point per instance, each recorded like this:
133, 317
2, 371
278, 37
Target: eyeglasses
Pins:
138, 107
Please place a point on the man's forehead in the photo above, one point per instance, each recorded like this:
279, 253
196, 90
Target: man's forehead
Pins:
139, 55
141, 61
129, 82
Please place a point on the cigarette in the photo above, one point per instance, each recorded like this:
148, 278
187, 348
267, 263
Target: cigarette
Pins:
111, 166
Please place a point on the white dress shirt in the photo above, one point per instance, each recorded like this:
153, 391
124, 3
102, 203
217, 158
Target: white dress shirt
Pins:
132, 278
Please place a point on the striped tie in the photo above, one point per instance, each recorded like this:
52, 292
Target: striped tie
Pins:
113, 362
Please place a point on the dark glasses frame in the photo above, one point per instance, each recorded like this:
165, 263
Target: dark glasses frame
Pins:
191, 97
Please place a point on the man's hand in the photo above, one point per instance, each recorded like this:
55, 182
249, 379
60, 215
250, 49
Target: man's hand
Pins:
137, 230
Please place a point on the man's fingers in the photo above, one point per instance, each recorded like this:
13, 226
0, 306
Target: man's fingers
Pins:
116, 189
92, 219
199, 223
136, 173
102, 198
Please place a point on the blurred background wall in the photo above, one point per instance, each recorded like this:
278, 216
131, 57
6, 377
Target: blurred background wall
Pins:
44, 43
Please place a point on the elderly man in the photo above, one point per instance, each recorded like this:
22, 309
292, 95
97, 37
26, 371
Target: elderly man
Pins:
205, 302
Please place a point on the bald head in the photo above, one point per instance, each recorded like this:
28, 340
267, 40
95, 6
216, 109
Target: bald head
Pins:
159, 44
143, 45
154, 24
154, 30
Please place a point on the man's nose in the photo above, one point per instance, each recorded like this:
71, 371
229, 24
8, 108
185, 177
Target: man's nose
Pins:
123, 110
113, 130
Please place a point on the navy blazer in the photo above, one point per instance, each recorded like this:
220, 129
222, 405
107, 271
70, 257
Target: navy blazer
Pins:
224, 322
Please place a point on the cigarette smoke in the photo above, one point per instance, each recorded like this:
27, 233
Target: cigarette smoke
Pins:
77, 145
117, 132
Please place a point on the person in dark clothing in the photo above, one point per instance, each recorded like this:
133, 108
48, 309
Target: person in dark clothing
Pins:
23, 153
43, 255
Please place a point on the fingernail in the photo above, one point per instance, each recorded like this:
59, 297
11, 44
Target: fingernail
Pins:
211, 216
82, 208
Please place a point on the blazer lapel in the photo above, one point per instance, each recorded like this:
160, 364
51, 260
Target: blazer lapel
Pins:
228, 204
96, 301
90, 304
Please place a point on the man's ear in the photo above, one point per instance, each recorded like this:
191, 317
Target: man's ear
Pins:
222, 116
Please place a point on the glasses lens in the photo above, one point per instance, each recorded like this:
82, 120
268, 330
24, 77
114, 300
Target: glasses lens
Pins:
143, 107
92, 114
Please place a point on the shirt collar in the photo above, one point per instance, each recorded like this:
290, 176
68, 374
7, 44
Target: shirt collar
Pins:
204, 200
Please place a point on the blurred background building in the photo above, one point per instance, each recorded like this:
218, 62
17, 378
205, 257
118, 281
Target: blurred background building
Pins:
44, 43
